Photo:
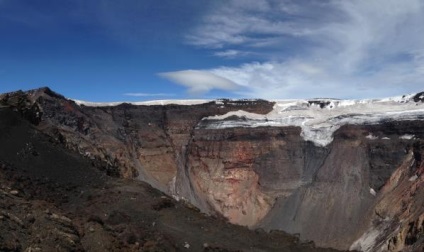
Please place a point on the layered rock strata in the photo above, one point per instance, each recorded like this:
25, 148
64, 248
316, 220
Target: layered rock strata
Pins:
345, 174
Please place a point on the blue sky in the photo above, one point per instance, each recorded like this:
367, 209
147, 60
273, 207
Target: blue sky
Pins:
105, 50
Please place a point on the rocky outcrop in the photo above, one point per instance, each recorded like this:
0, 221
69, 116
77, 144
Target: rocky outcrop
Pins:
228, 170
344, 174
334, 206
144, 142
396, 222
53, 199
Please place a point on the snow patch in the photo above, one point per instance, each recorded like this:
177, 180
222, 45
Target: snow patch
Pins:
143, 103
373, 192
319, 119
321, 136
407, 137
186, 245
367, 241
413, 178
371, 137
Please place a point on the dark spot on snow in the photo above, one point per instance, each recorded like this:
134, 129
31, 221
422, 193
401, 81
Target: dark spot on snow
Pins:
419, 97
321, 104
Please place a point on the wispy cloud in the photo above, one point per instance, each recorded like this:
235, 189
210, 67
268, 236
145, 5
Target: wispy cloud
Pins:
200, 82
148, 94
257, 23
231, 54
316, 48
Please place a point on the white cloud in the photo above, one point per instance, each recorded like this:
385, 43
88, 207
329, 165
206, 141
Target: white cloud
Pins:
148, 94
292, 79
230, 54
200, 82
318, 48
248, 23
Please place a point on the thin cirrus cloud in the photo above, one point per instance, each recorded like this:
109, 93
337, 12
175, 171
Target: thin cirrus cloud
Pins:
231, 54
345, 49
200, 82
148, 94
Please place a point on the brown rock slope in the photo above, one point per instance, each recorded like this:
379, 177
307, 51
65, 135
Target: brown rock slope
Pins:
361, 191
53, 199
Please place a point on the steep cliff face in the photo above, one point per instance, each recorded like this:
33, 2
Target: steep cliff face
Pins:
229, 167
396, 222
339, 172
52, 199
345, 174
336, 205
147, 142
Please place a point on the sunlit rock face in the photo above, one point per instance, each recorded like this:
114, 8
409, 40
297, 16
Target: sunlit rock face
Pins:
345, 174
225, 168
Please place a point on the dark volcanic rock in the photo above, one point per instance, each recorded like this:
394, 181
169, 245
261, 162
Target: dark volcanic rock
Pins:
419, 97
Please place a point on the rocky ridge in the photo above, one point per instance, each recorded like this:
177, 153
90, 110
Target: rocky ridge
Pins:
53, 199
286, 165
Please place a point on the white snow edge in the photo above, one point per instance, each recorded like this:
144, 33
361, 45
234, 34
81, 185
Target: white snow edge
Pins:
142, 103
320, 118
